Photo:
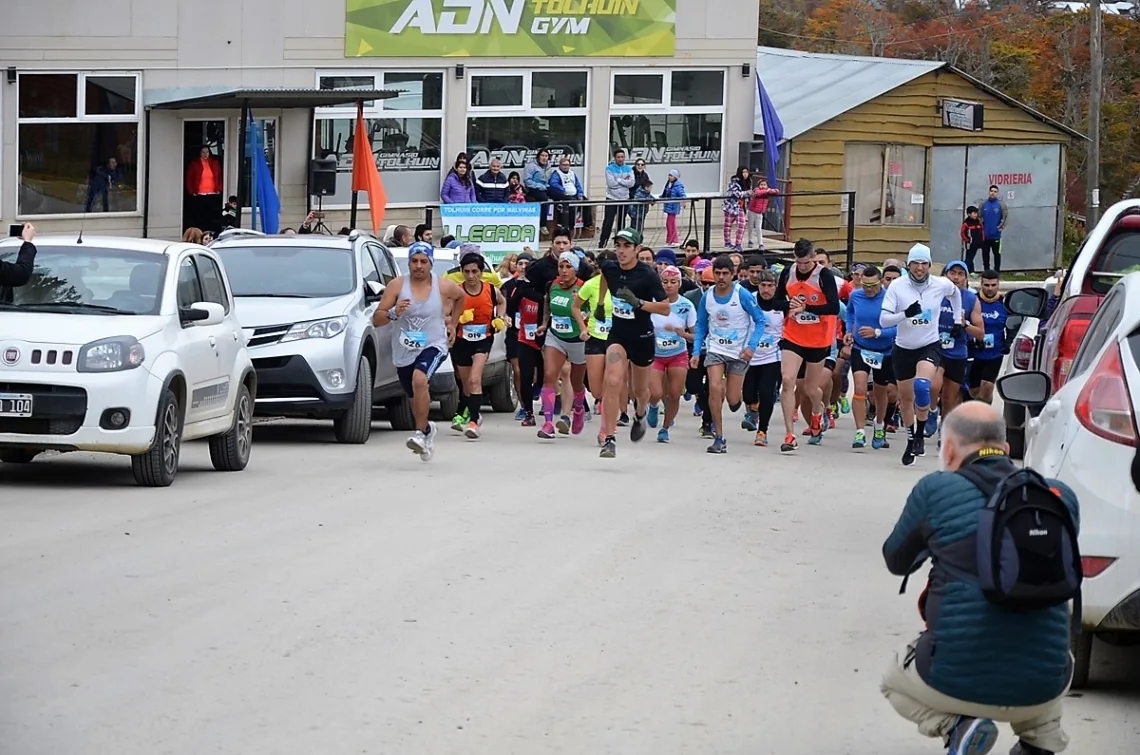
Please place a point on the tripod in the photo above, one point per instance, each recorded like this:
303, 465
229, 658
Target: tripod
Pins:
319, 226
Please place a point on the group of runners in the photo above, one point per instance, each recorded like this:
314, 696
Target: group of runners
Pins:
635, 333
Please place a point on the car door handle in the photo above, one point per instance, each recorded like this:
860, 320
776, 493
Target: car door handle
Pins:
213, 342
234, 334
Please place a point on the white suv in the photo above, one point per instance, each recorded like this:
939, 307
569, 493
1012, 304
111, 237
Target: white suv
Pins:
124, 346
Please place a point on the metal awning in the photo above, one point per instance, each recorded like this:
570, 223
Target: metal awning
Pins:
186, 98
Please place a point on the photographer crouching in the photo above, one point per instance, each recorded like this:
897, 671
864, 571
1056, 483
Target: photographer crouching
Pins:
1005, 565
18, 273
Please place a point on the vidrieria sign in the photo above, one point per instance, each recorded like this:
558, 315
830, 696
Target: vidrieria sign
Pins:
510, 28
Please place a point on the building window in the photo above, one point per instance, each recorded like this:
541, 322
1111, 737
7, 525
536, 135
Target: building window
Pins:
77, 143
511, 115
671, 120
268, 139
406, 133
889, 182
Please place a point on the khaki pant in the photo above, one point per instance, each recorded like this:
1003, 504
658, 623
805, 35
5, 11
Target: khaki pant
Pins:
935, 713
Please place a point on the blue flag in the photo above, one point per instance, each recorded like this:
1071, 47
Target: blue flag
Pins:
263, 194
773, 131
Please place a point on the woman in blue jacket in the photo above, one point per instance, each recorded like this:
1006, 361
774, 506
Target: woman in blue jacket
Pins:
458, 188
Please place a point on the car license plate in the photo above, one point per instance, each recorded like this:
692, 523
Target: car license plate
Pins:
15, 405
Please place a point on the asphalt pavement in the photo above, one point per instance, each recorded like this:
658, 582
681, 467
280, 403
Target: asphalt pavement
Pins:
510, 596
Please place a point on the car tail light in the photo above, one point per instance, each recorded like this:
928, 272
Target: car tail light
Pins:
1022, 352
1071, 336
1094, 566
1104, 405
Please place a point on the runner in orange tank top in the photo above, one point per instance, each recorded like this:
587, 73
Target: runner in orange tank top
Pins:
479, 320
811, 295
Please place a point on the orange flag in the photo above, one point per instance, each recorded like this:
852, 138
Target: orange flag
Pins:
365, 174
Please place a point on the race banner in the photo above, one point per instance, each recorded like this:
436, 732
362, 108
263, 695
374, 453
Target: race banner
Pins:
510, 28
498, 229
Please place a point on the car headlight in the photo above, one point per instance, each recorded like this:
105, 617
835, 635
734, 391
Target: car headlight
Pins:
111, 355
328, 328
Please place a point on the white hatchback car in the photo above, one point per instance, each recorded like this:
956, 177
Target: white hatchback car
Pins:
1086, 436
124, 346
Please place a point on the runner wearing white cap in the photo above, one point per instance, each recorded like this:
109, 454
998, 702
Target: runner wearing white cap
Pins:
913, 304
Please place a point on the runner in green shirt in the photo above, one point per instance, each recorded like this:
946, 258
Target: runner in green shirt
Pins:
563, 343
585, 303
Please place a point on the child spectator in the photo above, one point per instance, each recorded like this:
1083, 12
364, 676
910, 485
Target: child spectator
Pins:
642, 193
757, 207
973, 236
674, 190
739, 186
515, 192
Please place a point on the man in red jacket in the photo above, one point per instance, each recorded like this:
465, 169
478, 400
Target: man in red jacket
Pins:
204, 186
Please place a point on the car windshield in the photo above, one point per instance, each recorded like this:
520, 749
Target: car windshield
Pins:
301, 272
90, 280
439, 267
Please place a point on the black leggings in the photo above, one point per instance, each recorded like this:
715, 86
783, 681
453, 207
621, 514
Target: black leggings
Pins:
760, 390
530, 369
697, 384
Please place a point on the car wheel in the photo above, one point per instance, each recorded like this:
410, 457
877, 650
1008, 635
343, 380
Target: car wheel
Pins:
1082, 647
18, 455
449, 405
355, 425
158, 467
502, 394
400, 415
229, 452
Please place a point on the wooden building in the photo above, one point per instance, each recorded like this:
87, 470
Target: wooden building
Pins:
919, 142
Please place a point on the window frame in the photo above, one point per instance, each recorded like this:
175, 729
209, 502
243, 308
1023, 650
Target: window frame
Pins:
666, 105
884, 182
376, 112
527, 108
82, 117
191, 258
217, 265
1110, 311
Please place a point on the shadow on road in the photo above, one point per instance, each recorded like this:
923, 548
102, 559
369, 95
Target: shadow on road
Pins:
82, 471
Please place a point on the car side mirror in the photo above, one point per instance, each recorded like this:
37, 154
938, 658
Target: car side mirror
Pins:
202, 314
1027, 302
1028, 388
373, 290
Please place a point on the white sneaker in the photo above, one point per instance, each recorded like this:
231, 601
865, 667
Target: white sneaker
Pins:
418, 443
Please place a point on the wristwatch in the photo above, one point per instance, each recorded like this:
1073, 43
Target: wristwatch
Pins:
393, 315
878, 333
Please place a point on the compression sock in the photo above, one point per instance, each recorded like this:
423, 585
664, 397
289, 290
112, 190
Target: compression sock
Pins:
580, 401
548, 404
474, 404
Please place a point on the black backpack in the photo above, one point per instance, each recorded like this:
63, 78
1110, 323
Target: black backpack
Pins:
1028, 558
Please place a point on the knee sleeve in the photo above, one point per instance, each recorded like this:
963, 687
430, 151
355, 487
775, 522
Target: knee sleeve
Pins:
921, 392
734, 407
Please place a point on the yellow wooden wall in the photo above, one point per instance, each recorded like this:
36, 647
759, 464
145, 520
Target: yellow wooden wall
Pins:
906, 115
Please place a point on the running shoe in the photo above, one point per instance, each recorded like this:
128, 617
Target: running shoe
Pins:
892, 428
609, 448
652, 416
816, 439
749, 421
908, 453
719, 446
563, 425
824, 422
919, 445
418, 442
601, 439
706, 432
663, 435
1023, 748
789, 443
579, 422
459, 421
696, 410
844, 405
879, 440
520, 415
472, 431
637, 429
761, 438
688, 397
623, 420
931, 428
598, 408
528, 421
547, 431
833, 410
807, 432
860, 440
971, 736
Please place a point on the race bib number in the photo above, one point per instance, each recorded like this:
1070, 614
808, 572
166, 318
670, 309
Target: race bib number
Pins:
726, 338
922, 319
623, 309
947, 340
603, 327
988, 340
873, 359
667, 341
767, 343
474, 332
807, 318
530, 331
413, 339
561, 324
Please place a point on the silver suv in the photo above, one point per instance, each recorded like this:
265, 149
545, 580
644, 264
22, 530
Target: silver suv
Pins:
305, 304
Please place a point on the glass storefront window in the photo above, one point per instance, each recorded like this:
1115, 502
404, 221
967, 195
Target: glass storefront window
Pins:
496, 91
407, 153
687, 142
419, 91
697, 89
638, 89
889, 182
558, 90
515, 140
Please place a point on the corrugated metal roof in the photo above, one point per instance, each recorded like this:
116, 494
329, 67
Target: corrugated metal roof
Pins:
183, 98
809, 89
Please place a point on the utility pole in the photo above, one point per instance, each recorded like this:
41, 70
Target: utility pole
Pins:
1096, 63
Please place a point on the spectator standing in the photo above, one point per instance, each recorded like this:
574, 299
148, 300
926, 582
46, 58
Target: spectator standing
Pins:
458, 188
619, 184
973, 238
565, 185
739, 187
994, 216
515, 192
639, 177
643, 195
204, 183
103, 180
757, 208
492, 187
673, 190
536, 182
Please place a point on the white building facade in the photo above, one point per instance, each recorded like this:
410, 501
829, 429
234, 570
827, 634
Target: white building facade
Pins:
104, 105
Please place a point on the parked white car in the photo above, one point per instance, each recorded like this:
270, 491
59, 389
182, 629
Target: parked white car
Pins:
124, 346
1085, 435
